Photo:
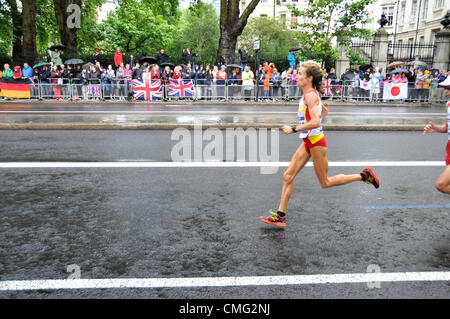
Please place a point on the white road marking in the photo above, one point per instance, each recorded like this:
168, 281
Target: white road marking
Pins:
222, 281
220, 112
131, 164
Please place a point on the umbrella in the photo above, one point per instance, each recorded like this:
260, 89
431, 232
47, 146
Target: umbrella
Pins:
295, 49
395, 64
148, 59
234, 66
74, 61
163, 65
399, 71
57, 46
88, 65
40, 64
364, 68
348, 76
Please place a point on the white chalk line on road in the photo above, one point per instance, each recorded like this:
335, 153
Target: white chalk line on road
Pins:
223, 281
220, 113
131, 164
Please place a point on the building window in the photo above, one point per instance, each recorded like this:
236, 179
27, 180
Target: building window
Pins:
438, 4
263, 15
263, 1
413, 12
293, 21
283, 18
402, 14
425, 10
389, 13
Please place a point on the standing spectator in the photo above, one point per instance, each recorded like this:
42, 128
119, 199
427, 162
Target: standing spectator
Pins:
418, 86
209, 78
7, 72
285, 82
243, 53
374, 85
120, 88
232, 84
222, 60
27, 72
434, 97
167, 75
293, 84
189, 56
291, 59
162, 57
44, 75
276, 82
127, 77
267, 76
247, 82
55, 57
411, 75
137, 72
155, 75
355, 84
55, 74
97, 56
118, 57
132, 61
17, 73
177, 75
106, 83
426, 86
221, 76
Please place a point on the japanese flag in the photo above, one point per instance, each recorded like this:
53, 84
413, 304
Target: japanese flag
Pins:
365, 85
395, 91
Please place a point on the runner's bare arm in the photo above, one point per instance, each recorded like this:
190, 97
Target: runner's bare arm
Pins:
431, 128
324, 112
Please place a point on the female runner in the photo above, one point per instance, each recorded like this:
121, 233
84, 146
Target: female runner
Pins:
311, 113
443, 182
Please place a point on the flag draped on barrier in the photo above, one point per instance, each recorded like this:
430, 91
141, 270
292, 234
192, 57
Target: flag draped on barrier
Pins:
93, 90
181, 88
365, 85
147, 89
15, 88
327, 87
395, 91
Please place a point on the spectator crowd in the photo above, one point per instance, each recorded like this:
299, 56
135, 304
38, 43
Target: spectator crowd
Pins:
114, 81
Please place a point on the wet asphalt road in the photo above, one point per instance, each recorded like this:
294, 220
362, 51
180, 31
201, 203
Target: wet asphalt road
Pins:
259, 114
202, 222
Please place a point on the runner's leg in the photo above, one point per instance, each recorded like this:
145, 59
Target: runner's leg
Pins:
298, 161
319, 157
443, 182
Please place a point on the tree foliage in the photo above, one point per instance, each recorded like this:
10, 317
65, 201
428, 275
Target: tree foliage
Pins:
326, 21
197, 29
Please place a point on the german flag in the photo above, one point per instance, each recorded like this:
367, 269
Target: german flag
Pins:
15, 89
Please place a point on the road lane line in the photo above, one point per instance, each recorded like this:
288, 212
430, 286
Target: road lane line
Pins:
405, 207
222, 281
131, 164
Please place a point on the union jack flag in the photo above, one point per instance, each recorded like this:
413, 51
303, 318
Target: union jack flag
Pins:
181, 88
147, 89
327, 87
93, 90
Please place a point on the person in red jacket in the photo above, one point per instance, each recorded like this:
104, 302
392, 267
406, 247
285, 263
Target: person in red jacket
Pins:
118, 57
221, 78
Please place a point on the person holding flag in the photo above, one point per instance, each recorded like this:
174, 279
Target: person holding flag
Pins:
443, 182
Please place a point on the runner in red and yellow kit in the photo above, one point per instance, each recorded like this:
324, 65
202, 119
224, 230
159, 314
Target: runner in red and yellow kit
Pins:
311, 113
443, 182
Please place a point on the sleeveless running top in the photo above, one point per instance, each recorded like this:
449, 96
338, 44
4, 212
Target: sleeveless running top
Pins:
313, 135
448, 119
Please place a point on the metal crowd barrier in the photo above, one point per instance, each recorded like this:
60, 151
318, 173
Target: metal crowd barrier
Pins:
117, 89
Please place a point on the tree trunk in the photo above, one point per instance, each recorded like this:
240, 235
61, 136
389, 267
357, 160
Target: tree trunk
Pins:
231, 26
17, 32
68, 35
29, 50
227, 46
